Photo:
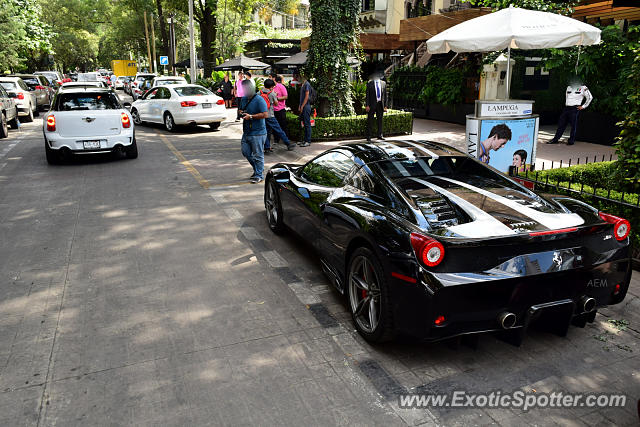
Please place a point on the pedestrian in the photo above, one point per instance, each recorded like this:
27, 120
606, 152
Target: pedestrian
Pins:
253, 110
305, 107
273, 127
227, 89
280, 109
498, 137
239, 94
578, 97
375, 103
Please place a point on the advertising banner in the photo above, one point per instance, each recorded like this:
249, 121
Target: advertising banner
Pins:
509, 142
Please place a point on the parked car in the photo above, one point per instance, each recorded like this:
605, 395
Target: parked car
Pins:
25, 99
128, 85
88, 120
40, 87
168, 80
427, 241
9, 112
120, 82
53, 76
179, 105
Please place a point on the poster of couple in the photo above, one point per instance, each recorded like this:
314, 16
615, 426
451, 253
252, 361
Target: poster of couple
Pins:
510, 142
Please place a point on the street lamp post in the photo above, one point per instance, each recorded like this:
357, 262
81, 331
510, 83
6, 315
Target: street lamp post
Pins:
192, 46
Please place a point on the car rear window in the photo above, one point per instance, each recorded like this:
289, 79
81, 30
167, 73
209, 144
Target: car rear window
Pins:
192, 91
86, 101
8, 85
31, 81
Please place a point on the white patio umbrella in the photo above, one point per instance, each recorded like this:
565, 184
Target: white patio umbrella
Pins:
516, 28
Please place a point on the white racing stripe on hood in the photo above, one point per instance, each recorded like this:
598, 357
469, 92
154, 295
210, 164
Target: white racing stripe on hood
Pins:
483, 225
422, 148
552, 221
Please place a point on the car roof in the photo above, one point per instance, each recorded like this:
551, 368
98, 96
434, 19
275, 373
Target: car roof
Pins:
76, 89
10, 79
400, 149
21, 75
170, 78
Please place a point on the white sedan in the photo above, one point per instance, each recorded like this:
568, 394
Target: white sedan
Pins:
179, 105
87, 121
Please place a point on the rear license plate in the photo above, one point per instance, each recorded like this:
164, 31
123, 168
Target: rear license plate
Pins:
91, 144
206, 105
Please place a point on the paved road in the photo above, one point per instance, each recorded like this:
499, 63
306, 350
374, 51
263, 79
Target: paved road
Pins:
151, 292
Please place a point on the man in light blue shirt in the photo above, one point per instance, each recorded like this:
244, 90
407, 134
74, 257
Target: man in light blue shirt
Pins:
253, 110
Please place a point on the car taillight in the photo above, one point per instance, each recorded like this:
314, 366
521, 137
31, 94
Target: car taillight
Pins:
126, 123
39, 87
220, 102
20, 95
188, 103
621, 226
51, 123
429, 251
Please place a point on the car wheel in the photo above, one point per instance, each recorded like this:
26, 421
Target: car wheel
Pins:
214, 126
169, 124
4, 129
15, 123
132, 150
29, 117
369, 296
273, 207
136, 117
53, 157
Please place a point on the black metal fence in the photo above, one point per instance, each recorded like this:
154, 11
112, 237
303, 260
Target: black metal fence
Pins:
577, 161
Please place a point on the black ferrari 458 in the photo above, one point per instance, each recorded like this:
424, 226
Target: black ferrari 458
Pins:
426, 241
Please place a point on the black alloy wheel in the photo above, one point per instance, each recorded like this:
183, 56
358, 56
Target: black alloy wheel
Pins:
273, 207
369, 296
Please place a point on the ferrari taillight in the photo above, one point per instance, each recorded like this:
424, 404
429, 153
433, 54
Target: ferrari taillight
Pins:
429, 251
126, 123
621, 226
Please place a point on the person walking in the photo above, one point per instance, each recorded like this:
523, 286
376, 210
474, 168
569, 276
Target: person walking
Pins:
305, 107
253, 110
578, 97
239, 92
375, 104
280, 109
273, 127
227, 91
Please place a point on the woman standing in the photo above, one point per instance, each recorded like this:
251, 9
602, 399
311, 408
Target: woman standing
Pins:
227, 91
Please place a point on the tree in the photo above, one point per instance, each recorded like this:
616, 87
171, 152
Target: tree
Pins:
334, 36
12, 35
629, 141
564, 7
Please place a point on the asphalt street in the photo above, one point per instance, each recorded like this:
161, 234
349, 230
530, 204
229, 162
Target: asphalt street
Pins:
152, 292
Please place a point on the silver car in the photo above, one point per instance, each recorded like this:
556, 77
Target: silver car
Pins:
9, 113
39, 85
25, 99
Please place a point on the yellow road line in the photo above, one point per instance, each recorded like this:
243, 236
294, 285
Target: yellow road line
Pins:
203, 182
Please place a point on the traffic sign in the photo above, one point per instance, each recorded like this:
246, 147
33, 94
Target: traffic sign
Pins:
164, 60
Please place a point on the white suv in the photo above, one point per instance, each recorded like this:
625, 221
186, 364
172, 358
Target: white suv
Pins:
85, 121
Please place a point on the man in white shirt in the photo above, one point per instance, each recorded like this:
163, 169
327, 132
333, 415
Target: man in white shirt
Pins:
375, 103
578, 98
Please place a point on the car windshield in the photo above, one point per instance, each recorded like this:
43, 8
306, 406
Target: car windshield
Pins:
8, 85
169, 82
192, 91
87, 101
416, 167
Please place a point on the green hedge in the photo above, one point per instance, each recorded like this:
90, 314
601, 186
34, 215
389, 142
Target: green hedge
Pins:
352, 127
600, 176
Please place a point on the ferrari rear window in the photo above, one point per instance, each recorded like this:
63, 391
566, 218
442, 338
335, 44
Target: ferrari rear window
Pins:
191, 91
86, 101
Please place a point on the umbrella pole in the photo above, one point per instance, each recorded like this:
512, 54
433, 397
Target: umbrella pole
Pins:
508, 69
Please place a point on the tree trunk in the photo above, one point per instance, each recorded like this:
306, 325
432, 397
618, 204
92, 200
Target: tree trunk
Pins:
163, 29
207, 38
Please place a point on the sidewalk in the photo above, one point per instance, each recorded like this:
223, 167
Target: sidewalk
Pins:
454, 135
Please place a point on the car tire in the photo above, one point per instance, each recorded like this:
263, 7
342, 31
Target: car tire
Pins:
136, 117
4, 128
53, 157
15, 123
29, 117
215, 126
273, 207
132, 150
366, 285
169, 124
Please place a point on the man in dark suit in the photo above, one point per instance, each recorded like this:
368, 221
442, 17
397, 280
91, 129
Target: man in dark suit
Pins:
375, 103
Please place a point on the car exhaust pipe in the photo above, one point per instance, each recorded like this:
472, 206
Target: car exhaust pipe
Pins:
507, 320
588, 304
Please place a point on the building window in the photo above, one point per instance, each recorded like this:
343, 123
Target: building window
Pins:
418, 8
368, 5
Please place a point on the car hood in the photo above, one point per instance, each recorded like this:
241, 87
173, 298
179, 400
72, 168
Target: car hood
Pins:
476, 207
